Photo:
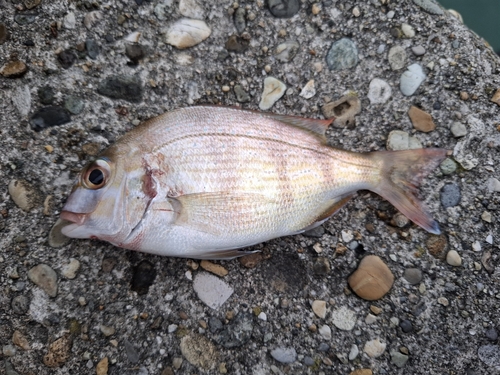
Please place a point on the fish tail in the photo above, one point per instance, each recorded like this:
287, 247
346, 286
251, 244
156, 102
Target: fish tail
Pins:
402, 173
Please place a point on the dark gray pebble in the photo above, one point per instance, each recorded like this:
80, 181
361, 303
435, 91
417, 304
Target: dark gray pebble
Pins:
121, 87
429, 6
66, 58
20, 304
491, 334
406, 326
317, 232
46, 95
74, 105
237, 44
308, 361
237, 332
92, 48
450, 195
215, 324
130, 350
9, 369
143, 277
321, 266
49, 116
413, 275
450, 287
239, 19
25, 18
241, 95
4, 33
419, 309
134, 52
323, 347
284, 8
343, 54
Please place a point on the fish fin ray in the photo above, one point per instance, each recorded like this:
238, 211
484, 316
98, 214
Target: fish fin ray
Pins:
402, 173
222, 254
216, 212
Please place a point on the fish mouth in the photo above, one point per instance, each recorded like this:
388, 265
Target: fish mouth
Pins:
73, 217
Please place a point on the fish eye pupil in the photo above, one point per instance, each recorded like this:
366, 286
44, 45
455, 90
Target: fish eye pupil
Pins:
96, 177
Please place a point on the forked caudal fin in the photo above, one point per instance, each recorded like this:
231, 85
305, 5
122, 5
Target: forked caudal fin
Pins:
402, 172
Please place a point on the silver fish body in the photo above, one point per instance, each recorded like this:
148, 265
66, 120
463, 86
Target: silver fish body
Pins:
200, 182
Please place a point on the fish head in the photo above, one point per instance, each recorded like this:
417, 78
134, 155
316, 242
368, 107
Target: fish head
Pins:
107, 200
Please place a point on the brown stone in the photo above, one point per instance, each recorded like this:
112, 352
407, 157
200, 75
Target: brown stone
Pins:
421, 120
343, 111
251, 260
372, 280
436, 245
216, 269
14, 69
496, 97
362, 371
4, 33
58, 353
464, 95
102, 366
21, 341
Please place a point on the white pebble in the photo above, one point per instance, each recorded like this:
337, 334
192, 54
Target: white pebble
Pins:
408, 30
379, 91
69, 21
263, 316
325, 332
353, 353
274, 89
347, 236
344, 319
476, 246
411, 79
308, 91
211, 290
374, 348
69, 270
187, 33
453, 258
489, 239
191, 9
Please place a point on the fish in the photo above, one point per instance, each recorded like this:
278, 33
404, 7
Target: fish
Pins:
207, 182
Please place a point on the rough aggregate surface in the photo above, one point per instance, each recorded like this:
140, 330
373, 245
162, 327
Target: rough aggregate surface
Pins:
122, 312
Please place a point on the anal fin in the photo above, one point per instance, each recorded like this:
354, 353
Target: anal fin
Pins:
330, 211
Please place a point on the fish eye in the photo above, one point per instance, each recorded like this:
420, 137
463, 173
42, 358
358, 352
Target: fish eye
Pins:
96, 175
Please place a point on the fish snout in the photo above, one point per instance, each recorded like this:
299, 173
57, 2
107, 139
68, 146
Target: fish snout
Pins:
73, 217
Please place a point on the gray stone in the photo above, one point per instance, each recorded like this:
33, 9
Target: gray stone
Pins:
413, 275
397, 57
131, 351
284, 355
237, 333
308, 361
284, 8
74, 104
4, 33
20, 304
458, 130
430, 6
406, 326
285, 52
418, 50
46, 94
400, 140
69, 21
411, 79
491, 334
9, 369
399, 359
49, 116
21, 99
191, 9
121, 87
241, 95
211, 290
92, 48
450, 195
448, 166
343, 54
45, 277
493, 184
239, 19
25, 18
344, 318
489, 355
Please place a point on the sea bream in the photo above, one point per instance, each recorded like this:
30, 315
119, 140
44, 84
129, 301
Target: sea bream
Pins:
205, 182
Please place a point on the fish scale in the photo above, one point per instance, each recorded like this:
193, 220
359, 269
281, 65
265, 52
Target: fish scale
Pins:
203, 181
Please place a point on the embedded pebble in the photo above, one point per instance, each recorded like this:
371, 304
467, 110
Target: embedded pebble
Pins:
453, 258
448, 166
4, 33
20, 340
458, 130
56, 238
74, 105
91, 19
92, 48
239, 19
211, 290
237, 333
319, 308
344, 318
285, 52
321, 266
353, 353
9, 350
370, 319
199, 351
400, 140
450, 195
102, 366
45, 277
107, 331
406, 326
49, 116
343, 110
486, 216
131, 351
421, 120
14, 69
69, 21
21, 98
23, 194
241, 95
489, 355
191, 9
397, 57
379, 91
160, 10
491, 334
325, 332
274, 89
399, 359
251, 260
411, 79
284, 355
25, 18
20, 304
187, 33
283, 8
493, 184
372, 279
418, 50
496, 97
308, 91
69, 270
59, 352
66, 58
216, 269
413, 275
408, 30
430, 6
46, 94
374, 348
143, 277
121, 87
343, 54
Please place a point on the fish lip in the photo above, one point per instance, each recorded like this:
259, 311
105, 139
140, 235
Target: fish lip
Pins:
73, 217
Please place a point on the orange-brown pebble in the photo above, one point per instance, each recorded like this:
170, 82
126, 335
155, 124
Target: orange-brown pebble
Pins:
464, 95
102, 366
496, 97
372, 280
362, 371
421, 120
375, 309
251, 260
214, 268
